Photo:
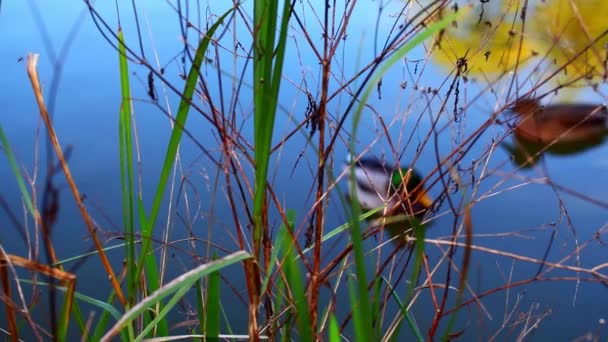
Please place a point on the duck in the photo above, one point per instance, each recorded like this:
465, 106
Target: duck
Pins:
565, 122
396, 188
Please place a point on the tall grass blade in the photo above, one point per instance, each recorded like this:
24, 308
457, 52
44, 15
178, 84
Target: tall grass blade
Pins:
126, 169
361, 329
212, 315
266, 85
407, 314
181, 292
419, 234
279, 288
102, 323
343, 227
200, 305
18, 177
87, 254
334, 330
82, 297
295, 283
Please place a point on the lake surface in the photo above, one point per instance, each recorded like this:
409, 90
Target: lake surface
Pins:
517, 213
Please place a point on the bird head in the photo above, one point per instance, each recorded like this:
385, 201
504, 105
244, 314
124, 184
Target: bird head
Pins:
408, 183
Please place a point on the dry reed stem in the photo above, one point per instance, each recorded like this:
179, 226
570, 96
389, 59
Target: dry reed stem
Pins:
23, 310
65, 277
6, 287
32, 61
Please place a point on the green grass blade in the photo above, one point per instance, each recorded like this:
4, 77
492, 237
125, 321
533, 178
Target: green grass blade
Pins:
419, 233
343, 227
107, 309
334, 330
294, 279
179, 285
126, 169
282, 235
227, 322
63, 323
266, 85
200, 307
80, 320
102, 323
164, 311
15, 168
279, 304
407, 314
280, 50
212, 317
362, 331
88, 254
286, 335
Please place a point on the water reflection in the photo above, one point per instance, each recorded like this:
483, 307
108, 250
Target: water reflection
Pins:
561, 129
495, 39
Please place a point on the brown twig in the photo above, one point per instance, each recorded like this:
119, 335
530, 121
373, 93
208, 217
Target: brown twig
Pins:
65, 277
10, 313
32, 72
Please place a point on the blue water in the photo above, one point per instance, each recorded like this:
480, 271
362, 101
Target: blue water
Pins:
86, 116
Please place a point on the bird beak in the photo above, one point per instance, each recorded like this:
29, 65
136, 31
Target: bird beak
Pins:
424, 199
